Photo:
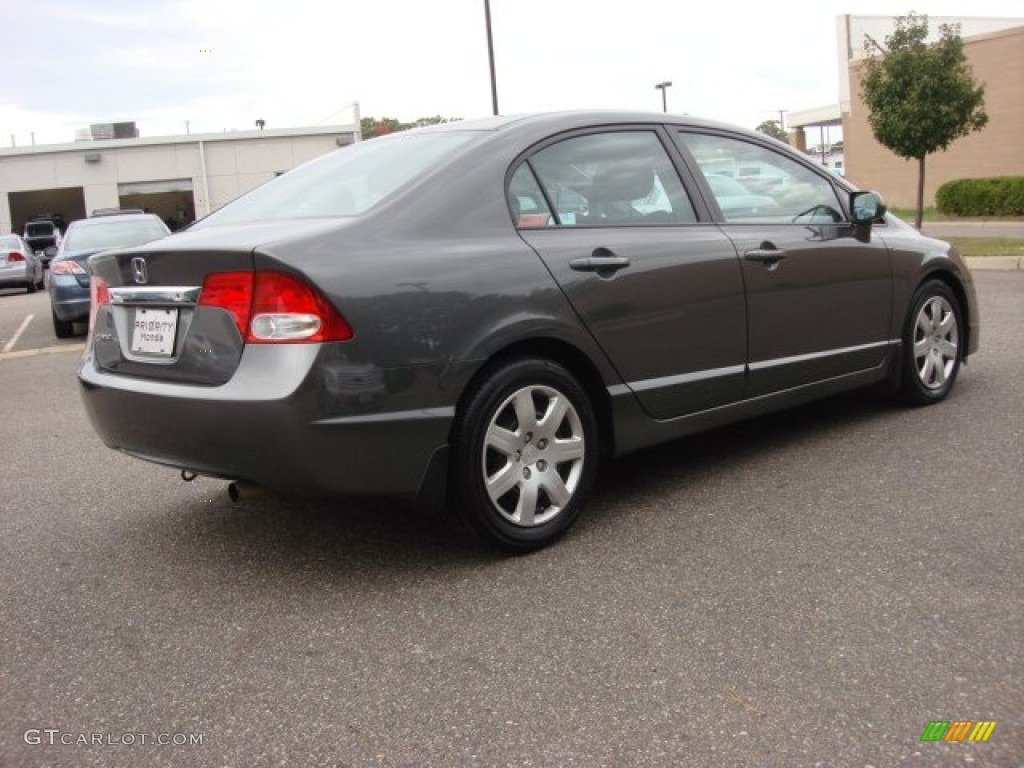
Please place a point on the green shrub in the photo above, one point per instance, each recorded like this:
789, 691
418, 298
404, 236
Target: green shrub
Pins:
991, 196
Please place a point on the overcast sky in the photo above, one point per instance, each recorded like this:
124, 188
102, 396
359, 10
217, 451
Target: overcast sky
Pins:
221, 64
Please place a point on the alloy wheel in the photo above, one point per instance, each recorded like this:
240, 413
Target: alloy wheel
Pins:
533, 455
936, 339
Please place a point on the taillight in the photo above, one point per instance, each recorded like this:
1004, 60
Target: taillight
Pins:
99, 294
284, 308
15, 256
68, 267
274, 307
231, 291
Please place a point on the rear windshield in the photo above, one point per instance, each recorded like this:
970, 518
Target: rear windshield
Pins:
343, 183
113, 234
44, 229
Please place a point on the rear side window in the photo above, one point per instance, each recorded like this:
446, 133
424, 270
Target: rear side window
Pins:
525, 199
346, 182
620, 178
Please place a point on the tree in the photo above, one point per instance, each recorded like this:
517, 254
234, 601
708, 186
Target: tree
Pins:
372, 126
773, 129
921, 97
435, 120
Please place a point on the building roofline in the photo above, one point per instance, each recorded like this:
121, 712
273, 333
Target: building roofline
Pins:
830, 114
191, 138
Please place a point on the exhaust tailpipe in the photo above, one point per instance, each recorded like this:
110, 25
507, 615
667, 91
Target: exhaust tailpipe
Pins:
243, 491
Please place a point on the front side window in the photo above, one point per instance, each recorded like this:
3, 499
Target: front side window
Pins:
754, 184
619, 178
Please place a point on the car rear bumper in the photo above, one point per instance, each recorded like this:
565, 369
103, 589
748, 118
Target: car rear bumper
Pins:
14, 275
274, 423
69, 299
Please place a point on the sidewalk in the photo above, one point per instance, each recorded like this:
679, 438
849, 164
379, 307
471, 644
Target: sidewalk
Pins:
1003, 263
1002, 228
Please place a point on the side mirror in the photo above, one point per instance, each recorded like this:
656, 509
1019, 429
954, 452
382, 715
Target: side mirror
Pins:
865, 207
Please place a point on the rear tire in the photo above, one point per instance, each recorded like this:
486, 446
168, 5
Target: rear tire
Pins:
63, 329
524, 455
32, 286
931, 345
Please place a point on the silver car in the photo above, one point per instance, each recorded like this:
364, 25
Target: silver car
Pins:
20, 267
480, 313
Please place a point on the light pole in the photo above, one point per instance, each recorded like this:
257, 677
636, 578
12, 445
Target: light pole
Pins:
661, 87
490, 56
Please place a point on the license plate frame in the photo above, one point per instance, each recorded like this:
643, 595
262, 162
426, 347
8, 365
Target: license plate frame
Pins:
154, 331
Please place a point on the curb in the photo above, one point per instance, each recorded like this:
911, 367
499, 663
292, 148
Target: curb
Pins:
1004, 263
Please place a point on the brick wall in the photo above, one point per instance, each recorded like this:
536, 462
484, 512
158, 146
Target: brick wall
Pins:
997, 60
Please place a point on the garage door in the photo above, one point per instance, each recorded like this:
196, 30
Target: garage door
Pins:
154, 187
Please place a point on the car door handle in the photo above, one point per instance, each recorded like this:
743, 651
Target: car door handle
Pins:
766, 255
602, 260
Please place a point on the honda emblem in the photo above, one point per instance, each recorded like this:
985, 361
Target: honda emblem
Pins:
139, 272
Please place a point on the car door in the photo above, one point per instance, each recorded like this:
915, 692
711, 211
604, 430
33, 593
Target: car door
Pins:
819, 293
660, 291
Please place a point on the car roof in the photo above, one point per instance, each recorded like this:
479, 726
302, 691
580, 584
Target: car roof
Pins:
101, 220
567, 120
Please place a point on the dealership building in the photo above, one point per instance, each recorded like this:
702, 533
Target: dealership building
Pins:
994, 49
179, 178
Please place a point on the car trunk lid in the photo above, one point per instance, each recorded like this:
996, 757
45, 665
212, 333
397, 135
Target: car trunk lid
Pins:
178, 309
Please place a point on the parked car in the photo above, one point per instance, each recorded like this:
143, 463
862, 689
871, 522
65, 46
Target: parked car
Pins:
415, 314
43, 236
735, 200
19, 265
113, 211
69, 276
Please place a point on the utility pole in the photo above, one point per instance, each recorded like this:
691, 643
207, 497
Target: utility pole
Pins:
490, 57
662, 87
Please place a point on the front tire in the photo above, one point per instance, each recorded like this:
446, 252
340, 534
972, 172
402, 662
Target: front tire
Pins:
524, 454
931, 344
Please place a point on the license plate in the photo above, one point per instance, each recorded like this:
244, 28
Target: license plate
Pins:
154, 331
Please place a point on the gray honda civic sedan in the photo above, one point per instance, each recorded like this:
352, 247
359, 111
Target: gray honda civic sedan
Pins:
480, 313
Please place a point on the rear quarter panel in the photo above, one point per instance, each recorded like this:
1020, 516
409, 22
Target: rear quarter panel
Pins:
439, 277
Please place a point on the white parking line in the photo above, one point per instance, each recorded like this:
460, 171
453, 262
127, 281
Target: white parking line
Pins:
17, 334
55, 350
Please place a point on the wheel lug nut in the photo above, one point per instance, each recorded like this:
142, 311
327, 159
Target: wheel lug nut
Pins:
529, 437
542, 465
542, 444
526, 472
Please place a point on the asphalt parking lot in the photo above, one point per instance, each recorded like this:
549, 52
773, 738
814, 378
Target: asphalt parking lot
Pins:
807, 589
